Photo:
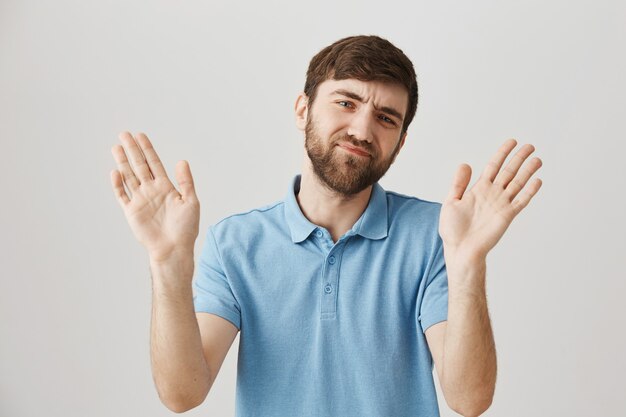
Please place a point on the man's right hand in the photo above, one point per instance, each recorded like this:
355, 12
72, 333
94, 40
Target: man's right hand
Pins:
164, 220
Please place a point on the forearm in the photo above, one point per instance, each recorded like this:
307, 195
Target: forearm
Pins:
469, 360
180, 372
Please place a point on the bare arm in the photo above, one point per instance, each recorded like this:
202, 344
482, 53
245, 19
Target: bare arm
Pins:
472, 222
180, 371
186, 350
463, 347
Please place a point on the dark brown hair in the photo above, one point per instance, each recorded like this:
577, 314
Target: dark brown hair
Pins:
365, 58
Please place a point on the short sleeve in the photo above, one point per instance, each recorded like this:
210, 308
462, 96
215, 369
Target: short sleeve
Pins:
212, 292
434, 304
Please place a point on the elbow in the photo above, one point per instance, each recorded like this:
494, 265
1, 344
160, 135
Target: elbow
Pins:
470, 400
181, 401
180, 394
471, 413
472, 409
180, 406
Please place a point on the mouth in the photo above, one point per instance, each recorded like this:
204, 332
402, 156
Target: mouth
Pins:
353, 149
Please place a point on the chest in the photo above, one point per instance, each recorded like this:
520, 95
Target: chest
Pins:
352, 282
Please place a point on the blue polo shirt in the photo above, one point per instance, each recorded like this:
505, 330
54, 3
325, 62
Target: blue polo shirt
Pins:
329, 329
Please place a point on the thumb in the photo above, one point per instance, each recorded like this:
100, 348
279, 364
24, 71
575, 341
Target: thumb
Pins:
185, 180
460, 182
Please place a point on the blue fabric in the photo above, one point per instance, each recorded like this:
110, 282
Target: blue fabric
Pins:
329, 329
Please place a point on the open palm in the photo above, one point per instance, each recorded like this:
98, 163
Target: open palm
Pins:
162, 219
473, 221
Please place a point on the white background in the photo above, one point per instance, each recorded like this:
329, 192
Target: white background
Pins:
215, 84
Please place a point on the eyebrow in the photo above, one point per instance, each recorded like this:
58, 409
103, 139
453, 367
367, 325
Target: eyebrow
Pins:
355, 96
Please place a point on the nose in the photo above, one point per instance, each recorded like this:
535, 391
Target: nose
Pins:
360, 126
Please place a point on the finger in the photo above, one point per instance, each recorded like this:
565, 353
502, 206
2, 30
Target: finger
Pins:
494, 165
505, 176
522, 177
118, 188
185, 180
526, 196
154, 162
138, 161
128, 176
460, 182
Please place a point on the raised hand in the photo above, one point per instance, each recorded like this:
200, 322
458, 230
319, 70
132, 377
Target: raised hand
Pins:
163, 219
473, 221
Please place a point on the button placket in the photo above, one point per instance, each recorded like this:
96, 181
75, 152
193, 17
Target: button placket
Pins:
329, 282
323, 240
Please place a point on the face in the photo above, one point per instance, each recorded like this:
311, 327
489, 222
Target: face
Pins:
353, 132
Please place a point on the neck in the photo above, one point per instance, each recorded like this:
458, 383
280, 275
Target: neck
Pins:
324, 207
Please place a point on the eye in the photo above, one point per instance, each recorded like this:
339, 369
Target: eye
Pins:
387, 120
346, 102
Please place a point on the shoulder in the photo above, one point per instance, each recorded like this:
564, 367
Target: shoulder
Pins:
413, 220
406, 205
242, 224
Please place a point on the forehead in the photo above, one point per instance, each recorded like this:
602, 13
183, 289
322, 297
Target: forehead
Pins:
382, 93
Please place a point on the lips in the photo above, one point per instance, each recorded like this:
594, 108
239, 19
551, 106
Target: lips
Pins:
354, 149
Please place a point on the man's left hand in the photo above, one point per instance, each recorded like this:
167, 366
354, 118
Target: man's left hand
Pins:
473, 221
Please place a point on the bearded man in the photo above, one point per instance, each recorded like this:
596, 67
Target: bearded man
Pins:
346, 295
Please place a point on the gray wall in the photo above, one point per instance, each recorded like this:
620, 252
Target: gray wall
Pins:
215, 84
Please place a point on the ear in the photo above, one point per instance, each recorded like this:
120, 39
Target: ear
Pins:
399, 146
301, 108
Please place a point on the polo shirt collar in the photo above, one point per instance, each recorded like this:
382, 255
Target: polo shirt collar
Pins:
372, 224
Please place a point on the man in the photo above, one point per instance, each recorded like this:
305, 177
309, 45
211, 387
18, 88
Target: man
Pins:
345, 294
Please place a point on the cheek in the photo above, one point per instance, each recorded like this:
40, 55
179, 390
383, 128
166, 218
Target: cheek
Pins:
333, 121
386, 152
328, 129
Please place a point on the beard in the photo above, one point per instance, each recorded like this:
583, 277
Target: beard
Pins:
343, 172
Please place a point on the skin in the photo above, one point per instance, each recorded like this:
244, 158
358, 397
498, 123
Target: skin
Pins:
342, 121
348, 173
472, 222
187, 349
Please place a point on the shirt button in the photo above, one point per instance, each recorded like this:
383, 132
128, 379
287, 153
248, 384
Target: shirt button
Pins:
331, 260
328, 289
319, 233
